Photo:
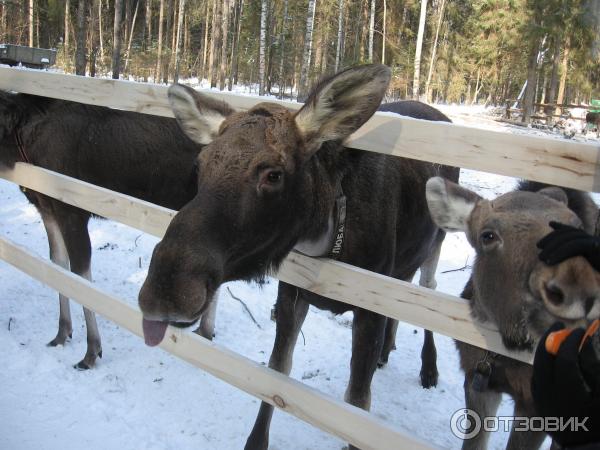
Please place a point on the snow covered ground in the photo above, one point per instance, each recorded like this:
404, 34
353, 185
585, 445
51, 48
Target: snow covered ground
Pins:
142, 398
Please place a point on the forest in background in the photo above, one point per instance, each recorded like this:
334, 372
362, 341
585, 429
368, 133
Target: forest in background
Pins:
452, 51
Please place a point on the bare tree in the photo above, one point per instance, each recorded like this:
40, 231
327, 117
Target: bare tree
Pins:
418, 50
161, 14
148, 26
177, 44
66, 37
262, 44
306, 54
31, 23
205, 53
282, 48
235, 45
100, 38
80, 54
564, 68
127, 54
551, 96
433, 51
338, 47
383, 32
225, 32
371, 30
117, 34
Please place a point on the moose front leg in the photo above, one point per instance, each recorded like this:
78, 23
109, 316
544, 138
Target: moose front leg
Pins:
429, 371
484, 403
59, 255
368, 331
73, 226
291, 312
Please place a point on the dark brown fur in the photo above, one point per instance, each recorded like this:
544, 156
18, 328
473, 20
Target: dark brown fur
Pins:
241, 225
140, 155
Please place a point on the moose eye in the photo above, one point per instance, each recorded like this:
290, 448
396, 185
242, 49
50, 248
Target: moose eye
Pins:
488, 238
274, 176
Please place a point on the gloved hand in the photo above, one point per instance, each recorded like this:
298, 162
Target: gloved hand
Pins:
568, 385
565, 242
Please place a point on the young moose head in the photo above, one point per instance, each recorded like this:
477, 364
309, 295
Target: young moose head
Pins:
511, 287
266, 178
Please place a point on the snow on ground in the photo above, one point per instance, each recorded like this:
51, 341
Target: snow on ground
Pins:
142, 398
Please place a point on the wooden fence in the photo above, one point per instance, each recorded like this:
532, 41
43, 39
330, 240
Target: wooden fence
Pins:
552, 161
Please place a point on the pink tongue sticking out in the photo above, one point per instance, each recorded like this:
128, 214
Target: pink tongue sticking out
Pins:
154, 332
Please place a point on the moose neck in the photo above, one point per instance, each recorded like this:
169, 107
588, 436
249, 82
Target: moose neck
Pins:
326, 202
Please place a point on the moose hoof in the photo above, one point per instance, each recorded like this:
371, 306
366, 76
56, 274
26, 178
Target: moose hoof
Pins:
429, 378
382, 362
59, 340
81, 366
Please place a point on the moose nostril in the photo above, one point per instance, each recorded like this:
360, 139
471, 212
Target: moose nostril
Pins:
589, 304
555, 294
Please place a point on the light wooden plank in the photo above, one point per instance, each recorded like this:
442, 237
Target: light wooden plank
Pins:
553, 161
145, 216
406, 302
333, 416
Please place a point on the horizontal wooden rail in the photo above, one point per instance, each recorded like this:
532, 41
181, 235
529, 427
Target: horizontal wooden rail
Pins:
333, 416
553, 161
406, 302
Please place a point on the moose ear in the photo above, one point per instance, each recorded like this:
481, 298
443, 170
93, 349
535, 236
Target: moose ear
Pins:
555, 193
340, 105
198, 115
450, 205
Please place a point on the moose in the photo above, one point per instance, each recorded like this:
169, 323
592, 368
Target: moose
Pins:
145, 156
510, 288
271, 180
592, 122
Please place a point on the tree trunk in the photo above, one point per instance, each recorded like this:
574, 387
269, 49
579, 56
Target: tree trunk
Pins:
3, 34
178, 41
116, 56
564, 68
236, 45
127, 20
416, 78
205, 52
137, 4
433, 52
80, 55
530, 89
551, 94
166, 60
310, 18
217, 39
262, 44
148, 30
282, 48
31, 23
371, 30
384, 32
66, 36
225, 32
161, 13
338, 47
100, 38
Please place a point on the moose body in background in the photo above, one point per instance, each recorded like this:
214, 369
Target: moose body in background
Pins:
592, 122
268, 182
511, 288
141, 155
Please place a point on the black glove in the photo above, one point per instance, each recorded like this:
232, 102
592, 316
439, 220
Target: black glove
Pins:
567, 385
565, 242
